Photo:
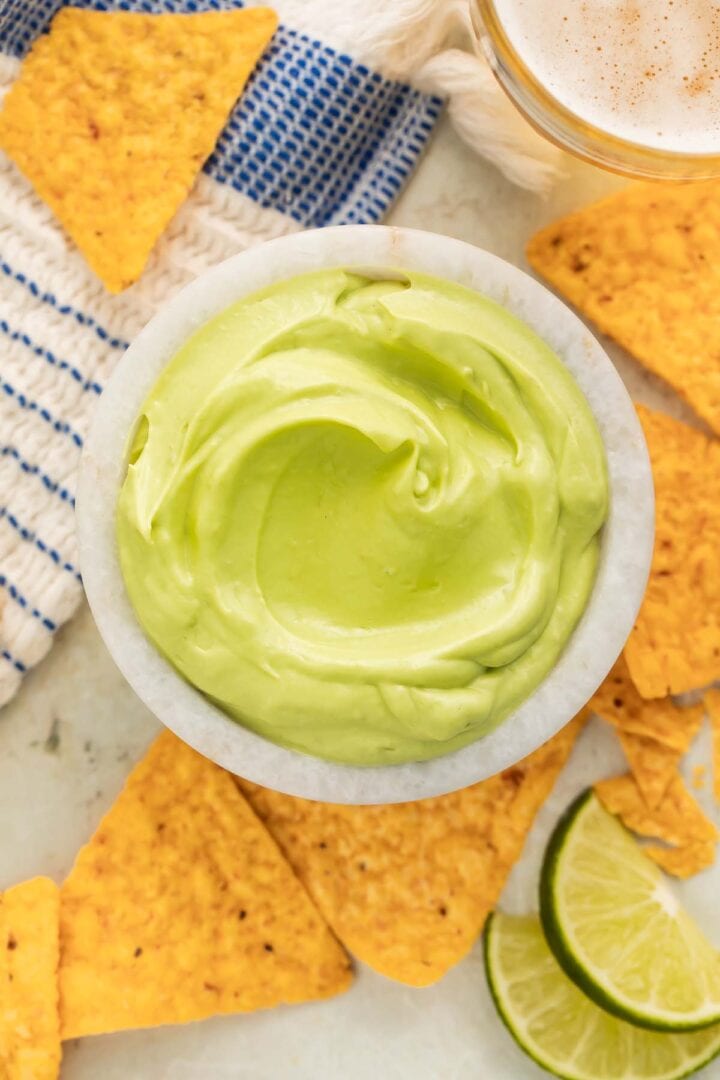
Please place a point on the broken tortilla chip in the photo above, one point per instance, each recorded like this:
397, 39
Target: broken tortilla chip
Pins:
678, 821
675, 643
407, 887
114, 114
684, 861
652, 764
29, 1018
712, 704
181, 907
642, 265
654, 734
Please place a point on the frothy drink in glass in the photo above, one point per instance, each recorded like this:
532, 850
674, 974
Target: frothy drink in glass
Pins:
644, 72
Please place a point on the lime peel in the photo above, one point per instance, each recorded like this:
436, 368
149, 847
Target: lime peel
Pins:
618, 931
566, 1033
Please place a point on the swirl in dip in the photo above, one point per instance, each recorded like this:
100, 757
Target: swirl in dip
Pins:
362, 516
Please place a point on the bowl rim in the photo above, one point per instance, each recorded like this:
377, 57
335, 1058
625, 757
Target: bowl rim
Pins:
626, 545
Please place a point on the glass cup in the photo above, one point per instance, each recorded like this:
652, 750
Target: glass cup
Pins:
604, 89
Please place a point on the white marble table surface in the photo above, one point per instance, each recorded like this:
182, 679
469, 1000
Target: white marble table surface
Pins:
69, 739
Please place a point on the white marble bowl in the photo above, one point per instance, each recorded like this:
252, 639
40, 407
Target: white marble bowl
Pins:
626, 540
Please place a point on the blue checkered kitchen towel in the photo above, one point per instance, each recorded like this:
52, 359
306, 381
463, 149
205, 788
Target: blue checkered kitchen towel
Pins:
316, 139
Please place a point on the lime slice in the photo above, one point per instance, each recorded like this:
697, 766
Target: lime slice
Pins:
618, 930
562, 1030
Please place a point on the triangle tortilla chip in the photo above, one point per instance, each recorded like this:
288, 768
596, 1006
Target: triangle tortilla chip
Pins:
642, 265
182, 907
675, 643
114, 114
29, 1018
654, 734
407, 887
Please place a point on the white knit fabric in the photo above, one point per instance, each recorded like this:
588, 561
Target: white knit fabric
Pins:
431, 44
215, 223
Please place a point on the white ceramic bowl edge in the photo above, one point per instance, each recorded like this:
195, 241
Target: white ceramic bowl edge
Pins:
626, 544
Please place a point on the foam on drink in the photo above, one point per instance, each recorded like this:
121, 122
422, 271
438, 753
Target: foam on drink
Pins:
644, 70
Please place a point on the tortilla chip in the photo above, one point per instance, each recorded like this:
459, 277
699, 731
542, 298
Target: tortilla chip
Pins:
407, 887
683, 861
652, 764
642, 265
182, 907
114, 114
29, 1020
654, 734
712, 704
678, 820
671, 725
675, 644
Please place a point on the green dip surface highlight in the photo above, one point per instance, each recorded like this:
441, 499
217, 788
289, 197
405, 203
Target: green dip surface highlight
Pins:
362, 516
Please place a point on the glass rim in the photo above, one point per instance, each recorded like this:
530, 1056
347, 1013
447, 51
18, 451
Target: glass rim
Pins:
565, 128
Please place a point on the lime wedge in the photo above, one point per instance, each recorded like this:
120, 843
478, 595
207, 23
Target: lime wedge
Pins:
562, 1030
617, 929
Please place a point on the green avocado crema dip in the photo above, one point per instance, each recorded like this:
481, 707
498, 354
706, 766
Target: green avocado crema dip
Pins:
362, 515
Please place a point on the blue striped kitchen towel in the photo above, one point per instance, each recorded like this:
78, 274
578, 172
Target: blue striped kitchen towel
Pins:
316, 139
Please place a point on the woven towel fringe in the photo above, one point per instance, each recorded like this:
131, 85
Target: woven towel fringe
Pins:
488, 121
429, 43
